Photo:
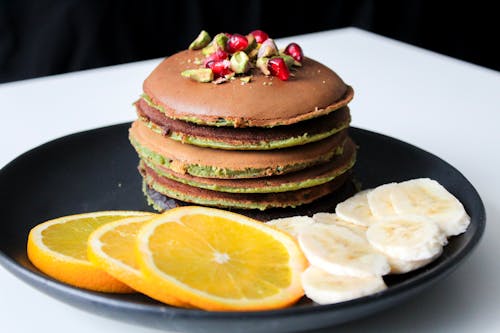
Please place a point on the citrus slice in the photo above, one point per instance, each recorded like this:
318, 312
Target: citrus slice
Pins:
59, 249
218, 260
109, 248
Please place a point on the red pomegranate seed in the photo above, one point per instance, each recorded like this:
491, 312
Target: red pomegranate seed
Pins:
295, 51
216, 56
220, 68
260, 36
236, 43
277, 67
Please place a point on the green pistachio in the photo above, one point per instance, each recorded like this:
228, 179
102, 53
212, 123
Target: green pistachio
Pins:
262, 65
219, 42
201, 41
200, 74
252, 43
268, 49
289, 61
246, 79
209, 49
240, 63
253, 54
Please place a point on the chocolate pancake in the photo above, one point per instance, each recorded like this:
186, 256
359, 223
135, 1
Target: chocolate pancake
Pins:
266, 101
260, 201
309, 177
230, 164
250, 138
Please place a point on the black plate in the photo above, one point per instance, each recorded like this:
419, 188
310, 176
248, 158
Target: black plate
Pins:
96, 170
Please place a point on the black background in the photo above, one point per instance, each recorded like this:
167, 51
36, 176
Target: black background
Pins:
40, 38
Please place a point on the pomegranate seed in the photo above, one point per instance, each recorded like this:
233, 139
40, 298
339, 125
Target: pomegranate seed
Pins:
260, 36
294, 51
220, 68
278, 67
216, 56
236, 43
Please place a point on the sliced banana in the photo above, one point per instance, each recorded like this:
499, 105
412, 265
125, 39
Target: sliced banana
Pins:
379, 200
340, 251
356, 210
427, 197
292, 225
409, 237
330, 218
325, 288
399, 266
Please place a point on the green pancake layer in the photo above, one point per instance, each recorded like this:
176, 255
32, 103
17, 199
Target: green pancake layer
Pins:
217, 172
260, 201
262, 145
290, 182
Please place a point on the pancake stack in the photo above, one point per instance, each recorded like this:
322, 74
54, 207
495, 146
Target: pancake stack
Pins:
250, 141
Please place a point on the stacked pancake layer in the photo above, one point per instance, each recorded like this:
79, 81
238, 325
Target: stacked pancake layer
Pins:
257, 145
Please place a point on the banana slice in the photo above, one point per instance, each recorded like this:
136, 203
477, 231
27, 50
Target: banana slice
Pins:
330, 218
356, 210
292, 225
399, 266
324, 288
427, 197
339, 251
379, 200
410, 237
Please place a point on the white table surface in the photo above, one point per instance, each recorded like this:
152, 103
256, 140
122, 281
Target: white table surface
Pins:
445, 106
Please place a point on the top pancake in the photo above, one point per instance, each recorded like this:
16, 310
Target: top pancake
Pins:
266, 101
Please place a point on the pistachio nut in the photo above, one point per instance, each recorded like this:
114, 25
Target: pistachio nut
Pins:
240, 63
201, 41
262, 65
219, 42
246, 79
289, 61
252, 43
200, 74
268, 49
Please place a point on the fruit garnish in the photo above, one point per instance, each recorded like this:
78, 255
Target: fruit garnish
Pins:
236, 43
394, 228
220, 68
277, 67
295, 51
260, 36
236, 54
409, 237
59, 249
218, 260
325, 288
110, 247
216, 56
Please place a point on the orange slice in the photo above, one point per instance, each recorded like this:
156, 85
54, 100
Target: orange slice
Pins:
59, 249
218, 260
110, 248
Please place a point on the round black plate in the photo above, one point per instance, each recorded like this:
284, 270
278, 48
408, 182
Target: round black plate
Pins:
96, 170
